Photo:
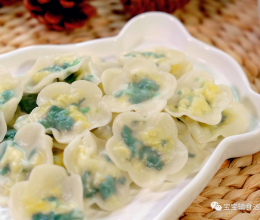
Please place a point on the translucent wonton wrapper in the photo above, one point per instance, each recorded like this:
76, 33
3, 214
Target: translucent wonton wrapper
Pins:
91, 70
147, 148
21, 121
198, 97
11, 91
3, 127
235, 120
17, 115
58, 145
138, 86
50, 68
105, 132
48, 194
196, 157
166, 59
68, 111
103, 183
209, 146
18, 157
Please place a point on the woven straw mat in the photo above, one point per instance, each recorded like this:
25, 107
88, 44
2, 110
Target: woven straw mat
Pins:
232, 26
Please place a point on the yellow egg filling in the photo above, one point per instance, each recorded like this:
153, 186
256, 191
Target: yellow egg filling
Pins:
198, 101
158, 140
175, 70
209, 91
58, 157
137, 164
38, 206
78, 116
65, 100
199, 106
112, 201
60, 60
35, 205
6, 86
83, 160
122, 152
37, 77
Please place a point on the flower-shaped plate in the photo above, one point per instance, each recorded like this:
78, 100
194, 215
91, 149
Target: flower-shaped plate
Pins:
166, 201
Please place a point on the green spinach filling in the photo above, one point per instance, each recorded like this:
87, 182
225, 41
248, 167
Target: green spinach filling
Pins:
122, 180
56, 68
146, 54
52, 69
106, 188
58, 118
10, 134
52, 199
140, 91
5, 170
190, 155
71, 78
73, 215
164, 142
28, 103
5, 96
223, 118
88, 187
84, 110
151, 157
32, 153
106, 157
88, 78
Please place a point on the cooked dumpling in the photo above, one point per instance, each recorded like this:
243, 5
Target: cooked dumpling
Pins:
166, 59
49, 194
235, 120
3, 127
103, 183
49, 68
138, 86
198, 97
91, 70
147, 148
29, 148
68, 111
11, 91
196, 157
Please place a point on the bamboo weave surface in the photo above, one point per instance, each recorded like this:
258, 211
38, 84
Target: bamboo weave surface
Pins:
231, 25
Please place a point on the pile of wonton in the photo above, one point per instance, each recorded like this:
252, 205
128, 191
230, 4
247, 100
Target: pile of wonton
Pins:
76, 131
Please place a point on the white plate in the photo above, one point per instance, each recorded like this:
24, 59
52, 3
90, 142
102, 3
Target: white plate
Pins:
159, 29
